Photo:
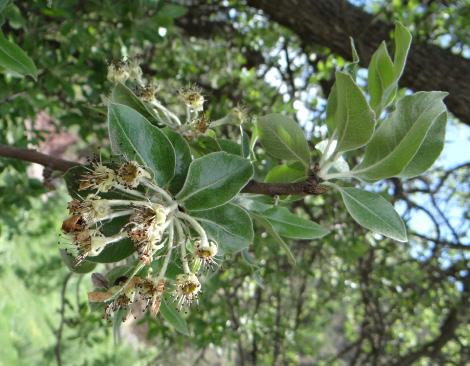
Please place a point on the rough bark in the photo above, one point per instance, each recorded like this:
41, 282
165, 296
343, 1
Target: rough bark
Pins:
330, 23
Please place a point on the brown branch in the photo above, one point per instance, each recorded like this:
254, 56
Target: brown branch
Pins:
310, 186
34, 156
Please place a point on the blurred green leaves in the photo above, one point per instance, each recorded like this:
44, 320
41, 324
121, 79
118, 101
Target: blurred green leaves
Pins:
13, 58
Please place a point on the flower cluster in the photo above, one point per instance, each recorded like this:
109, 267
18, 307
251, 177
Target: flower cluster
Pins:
122, 70
154, 225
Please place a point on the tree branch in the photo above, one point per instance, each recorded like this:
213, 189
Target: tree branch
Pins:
34, 156
310, 186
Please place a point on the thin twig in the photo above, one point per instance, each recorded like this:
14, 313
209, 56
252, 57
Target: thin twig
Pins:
57, 348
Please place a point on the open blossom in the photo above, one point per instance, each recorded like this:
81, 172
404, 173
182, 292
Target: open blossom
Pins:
205, 253
100, 178
130, 174
193, 98
187, 289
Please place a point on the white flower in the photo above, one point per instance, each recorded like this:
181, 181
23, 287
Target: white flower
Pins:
100, 178
118, 72
205, 253
187, 289
193, 98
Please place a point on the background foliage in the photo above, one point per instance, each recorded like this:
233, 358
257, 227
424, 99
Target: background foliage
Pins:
351, 299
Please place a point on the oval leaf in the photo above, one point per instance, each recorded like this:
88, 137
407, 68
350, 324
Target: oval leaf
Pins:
429, 150
229, 225
373, 212
384, 74
292, 226
132, 135
274, 234
183, 159
214, 180
283, 138
399, 138
173, 317
123, 95
354, 120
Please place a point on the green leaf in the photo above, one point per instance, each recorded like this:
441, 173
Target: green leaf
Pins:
132, 135
123, 95
245, 143
70, 262
283, 138
173, 317
230, 146
204, 145
429, 150
292, 226
183, 159
354, 120
117, 251
331, 107
286, 173
229, 225
214, 180
381, 79
114, 252
13, 58
332, 104
373, 212
399, 138
118, 318
384, 74
4, 4
402, 46
274, 234
352, 67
